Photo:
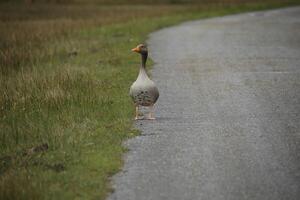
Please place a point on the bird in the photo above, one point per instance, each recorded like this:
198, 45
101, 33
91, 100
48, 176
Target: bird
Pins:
143, 91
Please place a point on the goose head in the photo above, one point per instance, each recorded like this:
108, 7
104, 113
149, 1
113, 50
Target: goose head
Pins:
141, 48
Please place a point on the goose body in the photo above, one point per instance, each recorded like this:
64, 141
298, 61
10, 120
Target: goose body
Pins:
143, 91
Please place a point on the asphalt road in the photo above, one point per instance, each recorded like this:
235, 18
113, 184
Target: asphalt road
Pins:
228, 117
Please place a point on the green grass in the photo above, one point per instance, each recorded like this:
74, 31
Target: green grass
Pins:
71, 94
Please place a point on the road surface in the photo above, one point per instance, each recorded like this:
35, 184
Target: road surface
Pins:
228, 118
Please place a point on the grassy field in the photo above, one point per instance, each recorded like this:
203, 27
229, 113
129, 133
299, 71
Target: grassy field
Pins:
65, 71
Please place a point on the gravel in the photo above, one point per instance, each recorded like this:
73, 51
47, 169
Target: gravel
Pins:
228, 117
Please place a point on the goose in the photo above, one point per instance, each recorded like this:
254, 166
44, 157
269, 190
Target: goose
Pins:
143, 91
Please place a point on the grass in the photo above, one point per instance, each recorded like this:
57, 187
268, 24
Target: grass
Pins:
64, 105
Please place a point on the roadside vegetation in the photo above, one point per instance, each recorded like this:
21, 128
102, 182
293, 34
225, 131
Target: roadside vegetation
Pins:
65, 70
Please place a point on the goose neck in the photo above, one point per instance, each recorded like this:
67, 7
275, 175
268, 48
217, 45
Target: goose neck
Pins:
144, 59
143, 72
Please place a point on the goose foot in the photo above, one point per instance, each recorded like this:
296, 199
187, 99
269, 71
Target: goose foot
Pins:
136, 113
151, 115
137, 118
151, 118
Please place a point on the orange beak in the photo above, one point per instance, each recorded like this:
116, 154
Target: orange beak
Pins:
136, 49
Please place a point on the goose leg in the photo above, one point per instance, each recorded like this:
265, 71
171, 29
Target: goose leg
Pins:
136, 112
151, 115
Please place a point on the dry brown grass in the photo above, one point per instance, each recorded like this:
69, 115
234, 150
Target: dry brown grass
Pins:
27, 30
